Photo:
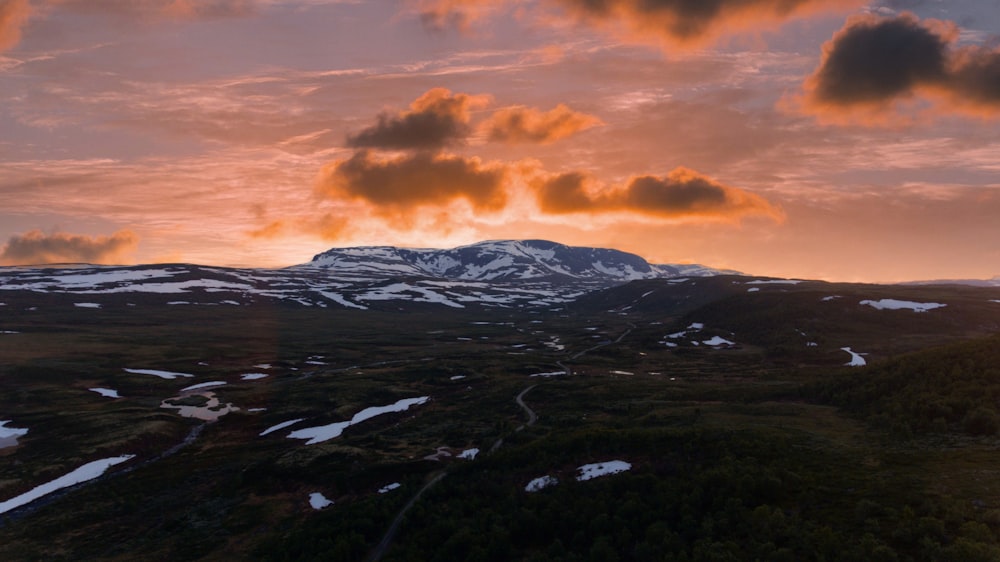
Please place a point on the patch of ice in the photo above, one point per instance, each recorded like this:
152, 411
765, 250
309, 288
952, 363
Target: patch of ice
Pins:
893, 304
669, 344
622, 373
388, 488
753, 289
176, 303
198, 386
280, 426
315, 363
86, 472
263, 366
830, 298
318, 500
468, 454
696, 326
552, 374
589, 471
255, 410
541, 483
457, 377
718, 341
677, 335
253, 376
322, 433
162, 374
106, 392
9, 332
87, 305
856, 359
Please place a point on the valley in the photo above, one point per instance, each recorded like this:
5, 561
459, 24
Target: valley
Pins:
687, 418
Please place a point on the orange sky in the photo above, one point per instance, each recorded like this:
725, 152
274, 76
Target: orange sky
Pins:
842, 140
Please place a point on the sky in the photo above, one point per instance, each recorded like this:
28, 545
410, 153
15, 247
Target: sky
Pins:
828, 139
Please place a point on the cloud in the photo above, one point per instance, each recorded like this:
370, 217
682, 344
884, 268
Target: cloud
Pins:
394, 186
36, 247
874, 66
671, 23
974, 84
520, 125
13, 15
459, 14
683, 193
693, 23
435, 120
162, 9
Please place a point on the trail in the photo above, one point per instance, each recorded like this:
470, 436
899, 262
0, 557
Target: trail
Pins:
380, 550
532, 416
390, 534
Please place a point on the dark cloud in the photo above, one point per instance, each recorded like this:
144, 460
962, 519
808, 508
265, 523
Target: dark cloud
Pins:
875, 60
975, 80
435, 120
36, 247
394, 186
518, 125
682, 193
13, 15
874, 63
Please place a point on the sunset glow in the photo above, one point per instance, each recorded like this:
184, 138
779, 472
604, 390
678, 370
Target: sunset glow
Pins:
840, 140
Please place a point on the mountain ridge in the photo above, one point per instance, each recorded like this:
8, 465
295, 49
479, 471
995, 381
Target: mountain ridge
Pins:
505, 260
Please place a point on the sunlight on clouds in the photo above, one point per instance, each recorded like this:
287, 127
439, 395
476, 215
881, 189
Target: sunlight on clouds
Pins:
13, 15
36, 247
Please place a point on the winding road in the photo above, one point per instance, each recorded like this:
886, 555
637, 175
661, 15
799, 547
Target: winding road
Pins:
390, 534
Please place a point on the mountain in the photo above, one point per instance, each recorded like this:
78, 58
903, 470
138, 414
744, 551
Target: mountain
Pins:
503, 260
503, 274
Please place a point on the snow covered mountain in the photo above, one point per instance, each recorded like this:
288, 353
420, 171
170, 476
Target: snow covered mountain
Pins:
503, 260
503, 274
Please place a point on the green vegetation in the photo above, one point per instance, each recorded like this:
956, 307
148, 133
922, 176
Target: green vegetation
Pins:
771, 450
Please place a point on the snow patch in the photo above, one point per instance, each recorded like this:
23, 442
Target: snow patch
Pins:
106, 392
541, 483
86, 472
388, 488
595, 470
774, 282
198, 386
318, 501
552, 374
162, 374
468, 454
280, 426
87, 305
253, 376
322, 433
856, 359
893, 304
6, 432
718, 341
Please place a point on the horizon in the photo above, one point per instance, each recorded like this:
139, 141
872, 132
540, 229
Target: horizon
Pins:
723, 271
846, 141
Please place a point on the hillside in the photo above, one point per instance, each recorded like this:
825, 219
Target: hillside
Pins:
686, 418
